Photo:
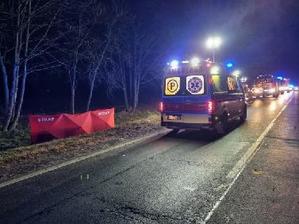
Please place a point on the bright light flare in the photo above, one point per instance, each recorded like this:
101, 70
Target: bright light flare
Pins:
243, 79
194, 62
236, 73
185, 62
229, 65
273, 106
215, 70
174, 64
213, 42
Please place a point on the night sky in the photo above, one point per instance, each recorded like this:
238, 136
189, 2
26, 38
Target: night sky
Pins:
260, 36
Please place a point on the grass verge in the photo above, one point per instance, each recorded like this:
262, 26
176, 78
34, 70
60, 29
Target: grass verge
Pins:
18, 161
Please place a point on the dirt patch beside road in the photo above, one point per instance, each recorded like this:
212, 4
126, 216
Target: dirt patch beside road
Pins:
23, 160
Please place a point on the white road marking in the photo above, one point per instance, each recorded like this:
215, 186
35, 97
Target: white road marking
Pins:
189, 188
241, 164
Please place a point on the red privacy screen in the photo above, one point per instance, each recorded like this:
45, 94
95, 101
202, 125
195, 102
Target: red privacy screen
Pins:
47, 127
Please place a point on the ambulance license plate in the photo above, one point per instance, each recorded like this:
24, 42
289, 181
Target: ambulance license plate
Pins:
173, 117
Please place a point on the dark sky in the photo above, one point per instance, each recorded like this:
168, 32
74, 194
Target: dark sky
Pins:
261, 36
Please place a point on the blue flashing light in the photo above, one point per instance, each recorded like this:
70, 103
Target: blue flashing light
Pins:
229, 65
280, 78
174, 64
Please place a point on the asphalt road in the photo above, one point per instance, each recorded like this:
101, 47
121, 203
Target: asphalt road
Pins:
176, 179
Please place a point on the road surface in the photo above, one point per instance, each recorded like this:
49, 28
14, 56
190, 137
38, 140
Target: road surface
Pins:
175, 179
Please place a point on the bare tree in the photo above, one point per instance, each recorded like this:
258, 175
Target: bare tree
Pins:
98, 48
27, 39
117, 78
101, 46
143, 63
75, 51
134, 61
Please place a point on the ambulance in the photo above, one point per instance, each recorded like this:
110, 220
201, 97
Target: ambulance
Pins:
201, 95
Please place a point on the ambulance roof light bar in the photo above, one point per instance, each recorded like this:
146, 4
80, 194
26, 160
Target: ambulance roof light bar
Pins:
174, 64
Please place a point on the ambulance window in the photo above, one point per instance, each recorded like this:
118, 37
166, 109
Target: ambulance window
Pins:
219, 84
232, 84
239, 87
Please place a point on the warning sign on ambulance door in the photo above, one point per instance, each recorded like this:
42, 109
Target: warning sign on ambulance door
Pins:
172, 86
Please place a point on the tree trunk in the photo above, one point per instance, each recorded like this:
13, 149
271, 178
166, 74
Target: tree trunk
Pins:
25, 73
15, 73
19, 106
73, 95
126, 98
13, 97
5, 85
136, 92
21, 100
99, 63
73, 101
131, 88
91, 90
73, 79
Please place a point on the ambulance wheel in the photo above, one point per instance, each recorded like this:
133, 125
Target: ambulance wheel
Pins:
243, 116
221, 127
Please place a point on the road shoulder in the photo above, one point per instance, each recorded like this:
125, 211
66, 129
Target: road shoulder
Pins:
267, 189
26, 162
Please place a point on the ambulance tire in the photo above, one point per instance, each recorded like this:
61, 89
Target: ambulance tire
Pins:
221, 127
243, 117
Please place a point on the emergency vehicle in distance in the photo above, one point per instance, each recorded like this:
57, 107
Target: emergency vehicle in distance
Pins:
265, 86
284, 85
201, 95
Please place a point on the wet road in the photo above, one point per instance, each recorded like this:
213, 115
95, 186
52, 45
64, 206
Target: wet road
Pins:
176, 179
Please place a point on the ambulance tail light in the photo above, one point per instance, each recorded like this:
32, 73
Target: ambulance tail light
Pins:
211, 106
161, 107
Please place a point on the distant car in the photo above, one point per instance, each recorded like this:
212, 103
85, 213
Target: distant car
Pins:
257, 92
296, 88
271, 91
201, 98
248, 93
